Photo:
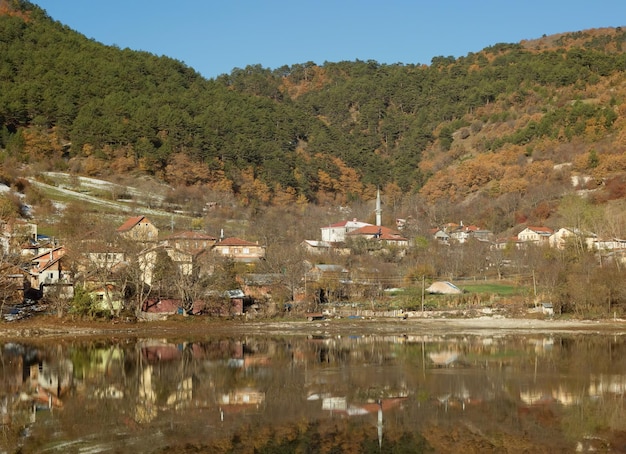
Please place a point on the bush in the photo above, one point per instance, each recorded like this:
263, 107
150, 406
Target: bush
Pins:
83, 304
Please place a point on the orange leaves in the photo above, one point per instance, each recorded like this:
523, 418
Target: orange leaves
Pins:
252, 189
509, 171
345, 186
41, 144
284, 197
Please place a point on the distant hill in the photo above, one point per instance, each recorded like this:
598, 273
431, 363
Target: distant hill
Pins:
502, 133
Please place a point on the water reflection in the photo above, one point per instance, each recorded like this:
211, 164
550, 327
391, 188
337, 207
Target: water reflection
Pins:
316, 394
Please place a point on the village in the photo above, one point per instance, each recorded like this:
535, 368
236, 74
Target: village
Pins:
126, 270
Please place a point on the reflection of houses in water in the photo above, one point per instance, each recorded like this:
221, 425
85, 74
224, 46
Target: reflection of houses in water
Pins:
247, 356
108, 392
535, 397
244, 400
560, 395
339, 406
542, 345
607, 384
146, 408
460, 398
154, 351
246, 396
443, 358
32, 382
566, 397
183, 394
103, 360
334, 404
52, 380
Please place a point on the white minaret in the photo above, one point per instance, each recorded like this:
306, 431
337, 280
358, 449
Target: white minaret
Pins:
379, 211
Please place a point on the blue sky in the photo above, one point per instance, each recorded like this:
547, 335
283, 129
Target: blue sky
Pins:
215, 36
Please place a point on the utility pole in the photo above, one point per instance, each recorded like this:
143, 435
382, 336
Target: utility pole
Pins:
535, 288
423, 291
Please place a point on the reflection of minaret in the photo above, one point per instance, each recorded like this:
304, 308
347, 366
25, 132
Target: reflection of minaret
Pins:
379, 211
380, 424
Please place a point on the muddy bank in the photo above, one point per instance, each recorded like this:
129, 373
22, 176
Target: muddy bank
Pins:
49, 327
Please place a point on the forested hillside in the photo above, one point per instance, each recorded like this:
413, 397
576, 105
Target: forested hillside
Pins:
500, 133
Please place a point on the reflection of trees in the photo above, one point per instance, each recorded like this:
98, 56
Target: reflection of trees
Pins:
146, 409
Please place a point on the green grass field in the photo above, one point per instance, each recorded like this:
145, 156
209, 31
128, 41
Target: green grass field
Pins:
501, 288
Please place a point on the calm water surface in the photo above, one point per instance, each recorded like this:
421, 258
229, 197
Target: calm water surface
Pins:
509, 393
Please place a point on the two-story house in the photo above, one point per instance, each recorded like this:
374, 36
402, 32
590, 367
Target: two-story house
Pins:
240, 250
336, 233
190, 241
13, 283
47, 271
466, 232
148, 261
138, 228
559, 237
535, 235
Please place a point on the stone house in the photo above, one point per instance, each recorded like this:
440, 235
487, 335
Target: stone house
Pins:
138, 228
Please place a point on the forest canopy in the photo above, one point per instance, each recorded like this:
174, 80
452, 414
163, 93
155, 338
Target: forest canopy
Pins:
322, 133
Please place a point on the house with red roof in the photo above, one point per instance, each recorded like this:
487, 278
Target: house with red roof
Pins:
47, 270
535, 235
240, 250
138, 228
380, 233
463, 233
336, 233
190, 241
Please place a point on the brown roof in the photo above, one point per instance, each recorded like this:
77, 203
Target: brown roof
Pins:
385, 232
541, 229
131, 222
57, 251
232, 241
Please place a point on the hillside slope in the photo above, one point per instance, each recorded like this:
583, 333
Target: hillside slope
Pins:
498, 135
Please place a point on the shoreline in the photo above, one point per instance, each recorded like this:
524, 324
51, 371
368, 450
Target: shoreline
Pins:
46, 328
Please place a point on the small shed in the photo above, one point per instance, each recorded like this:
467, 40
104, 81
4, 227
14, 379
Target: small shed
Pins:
547, 308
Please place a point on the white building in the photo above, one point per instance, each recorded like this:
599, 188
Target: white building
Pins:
336, 233
537, 235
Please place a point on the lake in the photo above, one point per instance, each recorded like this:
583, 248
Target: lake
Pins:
316, 394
